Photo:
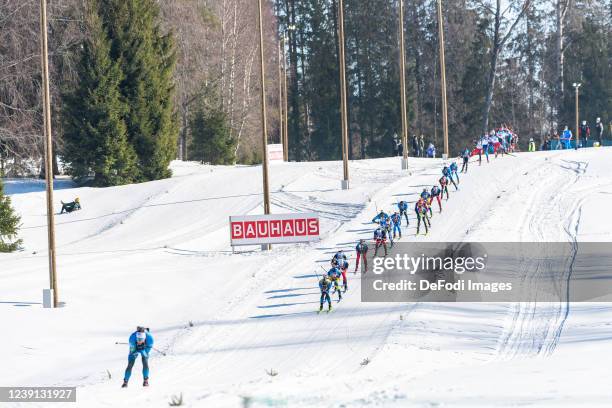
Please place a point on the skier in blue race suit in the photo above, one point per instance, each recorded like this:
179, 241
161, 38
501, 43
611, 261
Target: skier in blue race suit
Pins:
387, 226
396, 220
362, 252
454, 172
141, 343
334, 275
403, 210
382, 216
325, 285
338, 258
426, 195
447, 172
340, 261
380, 238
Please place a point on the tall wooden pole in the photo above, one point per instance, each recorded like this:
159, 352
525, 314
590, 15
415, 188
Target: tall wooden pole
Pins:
264, 122
48, 151
280, 103
286, 97
343, 95
443, 79
577, 86
403, 88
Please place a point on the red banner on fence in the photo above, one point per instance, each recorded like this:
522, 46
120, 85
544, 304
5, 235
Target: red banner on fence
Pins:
274, 229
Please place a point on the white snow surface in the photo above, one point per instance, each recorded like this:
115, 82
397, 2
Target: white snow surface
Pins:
157, 254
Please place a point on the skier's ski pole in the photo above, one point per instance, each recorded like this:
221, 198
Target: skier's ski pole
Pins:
156, 349
159, 351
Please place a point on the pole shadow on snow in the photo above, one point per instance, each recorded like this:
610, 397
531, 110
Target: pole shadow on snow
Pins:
292, 295
334, 252
286, 290
405, 194
305, 276
286, 304
330, 250
420, 186
306, 191
268, 316
20, 304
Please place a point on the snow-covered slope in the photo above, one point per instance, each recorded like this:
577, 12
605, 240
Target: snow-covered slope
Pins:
158, 254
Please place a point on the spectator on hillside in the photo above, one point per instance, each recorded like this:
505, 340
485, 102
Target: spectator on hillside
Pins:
557, 139
566, 137
546, 145
431, 151
415, 146
532, 146
422, 145
585, 132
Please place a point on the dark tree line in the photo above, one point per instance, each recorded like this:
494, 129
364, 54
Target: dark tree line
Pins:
507, 63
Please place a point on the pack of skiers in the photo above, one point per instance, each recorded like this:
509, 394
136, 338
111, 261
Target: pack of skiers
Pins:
330, 281
334, 281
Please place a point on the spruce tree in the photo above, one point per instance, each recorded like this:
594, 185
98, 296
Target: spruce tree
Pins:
147, 61
211, 139
95, 133
474, 79
9, 224
587, 62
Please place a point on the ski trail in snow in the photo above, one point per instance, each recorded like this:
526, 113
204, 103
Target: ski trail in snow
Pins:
536, 326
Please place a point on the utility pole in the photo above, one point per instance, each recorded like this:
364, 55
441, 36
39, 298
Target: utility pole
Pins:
403, 88
285, 103
343, 95
443, 78
264, 122
48, 151
577, 87
280, 103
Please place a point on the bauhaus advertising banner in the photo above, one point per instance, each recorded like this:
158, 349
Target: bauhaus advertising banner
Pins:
274, 229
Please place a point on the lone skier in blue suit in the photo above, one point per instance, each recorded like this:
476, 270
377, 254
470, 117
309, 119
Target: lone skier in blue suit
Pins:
141, 343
